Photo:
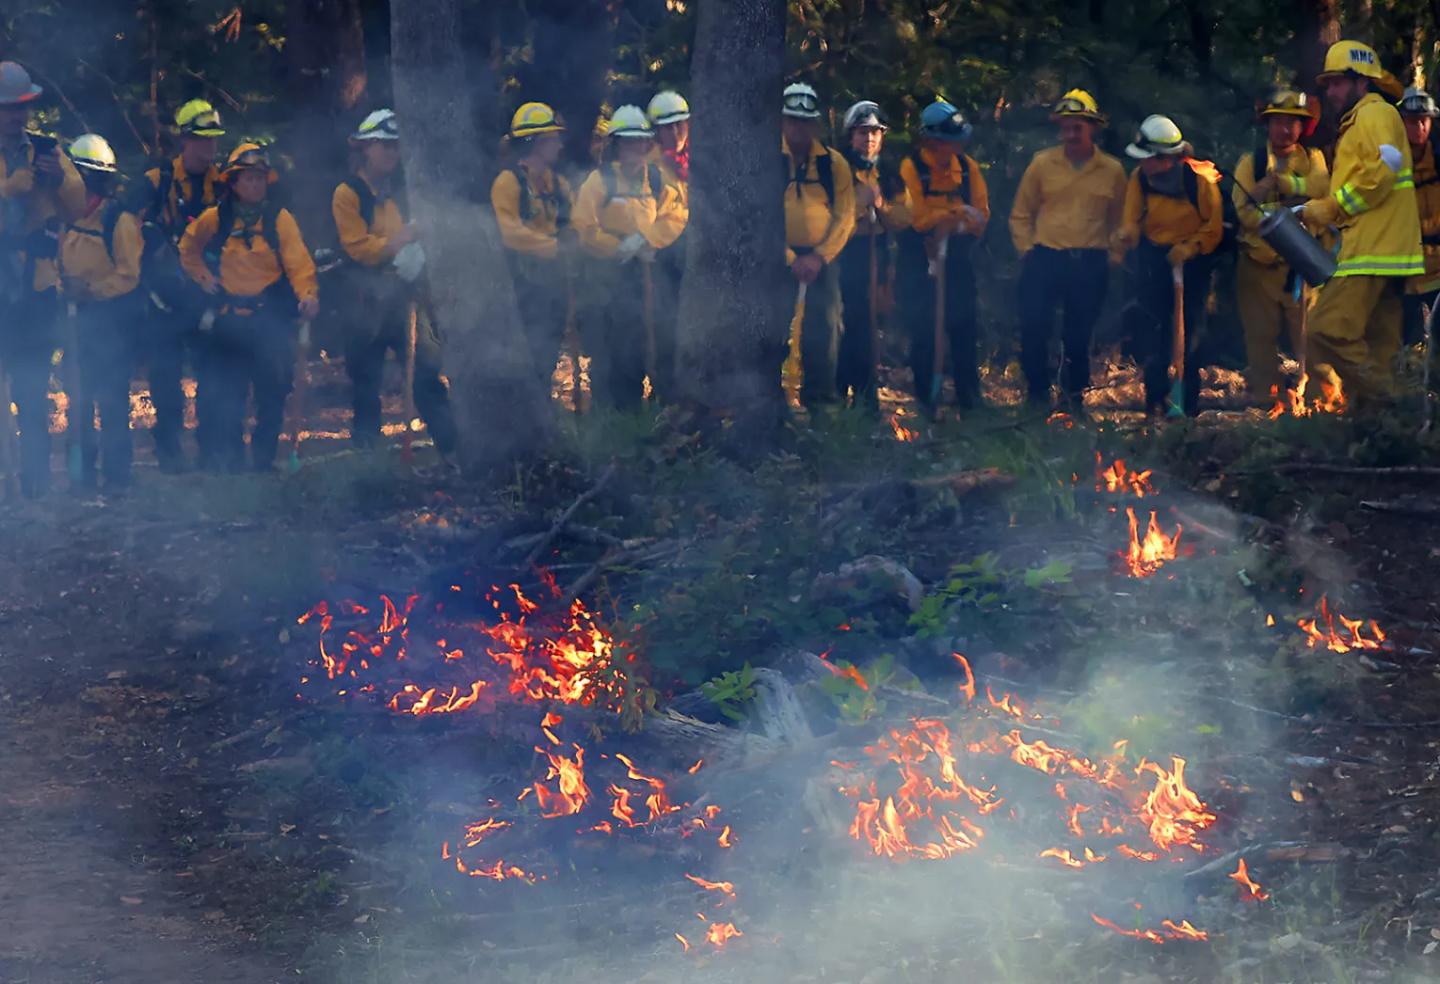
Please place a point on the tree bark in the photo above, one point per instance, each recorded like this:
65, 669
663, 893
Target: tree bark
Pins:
502, 409
1317, 28
573, 42
737, 298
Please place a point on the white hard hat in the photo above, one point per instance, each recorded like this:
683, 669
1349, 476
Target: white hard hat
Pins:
379, 125
93, 152
629, 121
668, 107
1157, 136
801, 102
864, 113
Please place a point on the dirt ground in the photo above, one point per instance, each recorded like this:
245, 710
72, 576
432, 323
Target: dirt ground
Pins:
172, 812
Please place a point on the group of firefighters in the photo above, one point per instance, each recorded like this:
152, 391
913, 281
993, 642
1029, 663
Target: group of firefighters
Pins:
205, 260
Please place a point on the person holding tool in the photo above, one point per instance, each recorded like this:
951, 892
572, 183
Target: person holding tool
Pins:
1067, 207
1418, 111
1174, 221
624, 212
40, 191
881, 208
385, 305
248, 254
669, 114
950, 208
819, 217
1279, 173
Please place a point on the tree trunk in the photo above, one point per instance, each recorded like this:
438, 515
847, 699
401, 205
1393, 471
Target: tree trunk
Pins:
325, 55
1317, 28
501, 407
573, 46
737, 299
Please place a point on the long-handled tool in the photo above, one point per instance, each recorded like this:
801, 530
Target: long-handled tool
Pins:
299, 394
9, 452
1303, 356
1175, 402
407, 437
79, 414
937, 373
647, 281
874, 297
1425, 373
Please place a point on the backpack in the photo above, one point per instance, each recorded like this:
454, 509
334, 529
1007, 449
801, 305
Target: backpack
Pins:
225, 211
923, 170
652, 175
108, 220
824, 176
528, 196
1229, 220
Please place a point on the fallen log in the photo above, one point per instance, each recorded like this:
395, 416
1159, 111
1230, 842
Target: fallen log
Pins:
718, 745
565, 517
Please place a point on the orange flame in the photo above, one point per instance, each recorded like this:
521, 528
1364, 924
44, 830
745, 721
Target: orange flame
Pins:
721, 933
1173, 812
902, 433
683, 942
724, 888
1335, 641
1331, 399
1145, 557
968, 687
1117, 477
1063, 856
570, 793
1250, 890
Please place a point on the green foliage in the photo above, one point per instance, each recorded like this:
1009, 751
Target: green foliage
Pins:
732, 693
856, 704
982, 585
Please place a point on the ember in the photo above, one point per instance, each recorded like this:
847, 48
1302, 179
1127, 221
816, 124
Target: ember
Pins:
1250, 890
902, 433
1321, 630
1146, 556
1292, 401
1118, 478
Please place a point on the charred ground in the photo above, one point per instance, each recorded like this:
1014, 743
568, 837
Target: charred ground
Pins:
164, 781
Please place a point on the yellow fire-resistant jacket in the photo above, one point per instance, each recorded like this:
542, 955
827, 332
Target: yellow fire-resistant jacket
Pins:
1060, 206
196, 191
1302, 175
368, 245
1373, 205
811, 222
601, 221
93, 270
892, 215
942, 200
249, 271
530, 218
1173, 221
1427, 196
44, 208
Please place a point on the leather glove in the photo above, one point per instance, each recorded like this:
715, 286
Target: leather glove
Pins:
1182, 253
629, 246
1320, 213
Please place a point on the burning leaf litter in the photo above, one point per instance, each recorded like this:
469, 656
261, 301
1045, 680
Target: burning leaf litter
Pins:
1321, 631
1117, 477
1146, 555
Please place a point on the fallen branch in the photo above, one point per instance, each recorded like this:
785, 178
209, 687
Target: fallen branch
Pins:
1322, 468
586, 496
1421, 508
616, 557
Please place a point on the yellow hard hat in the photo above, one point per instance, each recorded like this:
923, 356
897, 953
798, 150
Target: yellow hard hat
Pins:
197, 118
247, 157
1077, 104
534, 118
1288, 102
1354, 58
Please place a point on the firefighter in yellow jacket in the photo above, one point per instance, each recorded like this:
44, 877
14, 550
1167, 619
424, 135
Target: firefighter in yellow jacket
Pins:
1279, 173
383, 288
532, 206
819, 217
40, 190
949, 210
669, 114
1066, 209
882, 208
100, 269
1355, 329
624, 212
1173, 219
247, 253
1418, 111
167, 201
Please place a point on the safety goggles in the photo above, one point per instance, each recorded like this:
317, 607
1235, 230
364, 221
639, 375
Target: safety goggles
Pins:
1073, 106
802, 102
251, 160
384, 130
205, 121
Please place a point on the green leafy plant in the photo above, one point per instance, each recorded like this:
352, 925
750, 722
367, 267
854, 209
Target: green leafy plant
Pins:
983, 584
857, 703
732, 692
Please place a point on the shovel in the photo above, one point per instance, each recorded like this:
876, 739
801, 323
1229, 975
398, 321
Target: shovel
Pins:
1429, 336
297, 398
1175, 402
75, 395
407, 438
937, 374
9, 453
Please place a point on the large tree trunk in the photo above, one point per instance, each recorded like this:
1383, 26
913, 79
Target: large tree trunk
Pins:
501, 407
1317, 28
737, 300
572, 54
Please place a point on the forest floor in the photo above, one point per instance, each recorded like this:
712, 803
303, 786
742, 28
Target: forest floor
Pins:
186, 797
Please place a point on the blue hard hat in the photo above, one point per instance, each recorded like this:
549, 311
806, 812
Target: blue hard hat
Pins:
943, 121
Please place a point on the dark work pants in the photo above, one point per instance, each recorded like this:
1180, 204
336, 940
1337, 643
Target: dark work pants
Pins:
167, 335
254, 351
917, 305
615, 302
1074, 279
1414, 307
383, 325
668, 274
855, 368
541, 296
820, 325
105, 332
1155, 292
28, 338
